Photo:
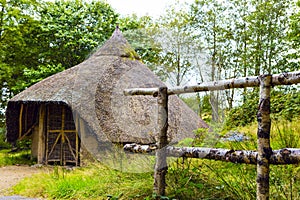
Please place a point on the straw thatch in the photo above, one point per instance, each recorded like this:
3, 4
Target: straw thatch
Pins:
94, 92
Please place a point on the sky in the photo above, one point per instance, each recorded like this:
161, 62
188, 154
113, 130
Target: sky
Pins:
154, 8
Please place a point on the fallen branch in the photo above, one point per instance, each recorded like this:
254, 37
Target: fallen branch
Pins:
278, 157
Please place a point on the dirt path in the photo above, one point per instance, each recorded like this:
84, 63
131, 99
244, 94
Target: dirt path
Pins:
11, 175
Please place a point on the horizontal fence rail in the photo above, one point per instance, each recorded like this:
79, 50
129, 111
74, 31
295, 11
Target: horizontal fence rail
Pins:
288, 78
263, 157
278, 157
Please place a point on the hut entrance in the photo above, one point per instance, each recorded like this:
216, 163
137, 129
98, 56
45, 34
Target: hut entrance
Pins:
62, 142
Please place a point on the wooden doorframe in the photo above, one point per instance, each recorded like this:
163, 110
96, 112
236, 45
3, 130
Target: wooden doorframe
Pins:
63, 138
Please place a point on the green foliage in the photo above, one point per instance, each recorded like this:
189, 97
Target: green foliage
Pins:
3, 144
199, 104
290, 61
267, 27
72, 29
15, 158
36, 75
243, 38
245, 113
284, 105
177, 47
138, 32
236, 179
39, 38
18, 44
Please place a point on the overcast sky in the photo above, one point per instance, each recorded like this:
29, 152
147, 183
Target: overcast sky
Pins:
154, 8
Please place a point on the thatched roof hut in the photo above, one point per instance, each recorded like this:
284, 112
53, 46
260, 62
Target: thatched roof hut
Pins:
88, 100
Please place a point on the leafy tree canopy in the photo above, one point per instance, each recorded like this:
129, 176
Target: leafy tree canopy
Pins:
38, 39
41, 38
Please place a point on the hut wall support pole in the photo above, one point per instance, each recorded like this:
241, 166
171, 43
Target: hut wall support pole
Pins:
21, 120
41, 132
62, 145
161, 166
263, 138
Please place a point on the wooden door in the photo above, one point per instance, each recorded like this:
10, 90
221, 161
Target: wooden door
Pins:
62, 142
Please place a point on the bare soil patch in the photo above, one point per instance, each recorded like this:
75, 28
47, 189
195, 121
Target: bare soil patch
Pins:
11, 175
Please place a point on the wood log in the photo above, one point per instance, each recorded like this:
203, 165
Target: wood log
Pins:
278, 157
161, 166
287, 78
141, 91
264, 150
251, 81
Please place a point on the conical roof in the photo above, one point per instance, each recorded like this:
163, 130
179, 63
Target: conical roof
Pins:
94, 91
117, 45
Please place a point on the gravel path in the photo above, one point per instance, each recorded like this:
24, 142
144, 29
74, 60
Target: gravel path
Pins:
11, 175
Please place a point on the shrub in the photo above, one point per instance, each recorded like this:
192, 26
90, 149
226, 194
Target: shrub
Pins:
284, 105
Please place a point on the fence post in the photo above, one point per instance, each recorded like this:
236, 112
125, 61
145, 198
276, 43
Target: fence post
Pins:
161, 166
263, 138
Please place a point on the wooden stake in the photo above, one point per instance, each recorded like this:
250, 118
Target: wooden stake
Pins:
20, 120
263, 138
161, 166
47, 135
62, 152
41, 132
77, 148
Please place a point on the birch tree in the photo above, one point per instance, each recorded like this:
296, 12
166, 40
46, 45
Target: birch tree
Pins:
268, 26
178, 45
209, 22
291, 59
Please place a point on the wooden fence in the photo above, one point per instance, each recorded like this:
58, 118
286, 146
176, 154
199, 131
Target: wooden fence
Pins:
263, 157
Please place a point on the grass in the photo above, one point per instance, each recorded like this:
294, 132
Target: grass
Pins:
91, 182
13, 158
284, 179
186, 178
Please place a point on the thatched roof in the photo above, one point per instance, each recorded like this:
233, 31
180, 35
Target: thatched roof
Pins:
94, 91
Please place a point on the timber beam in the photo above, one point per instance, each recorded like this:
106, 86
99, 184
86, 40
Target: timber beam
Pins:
278, 157
288, 78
